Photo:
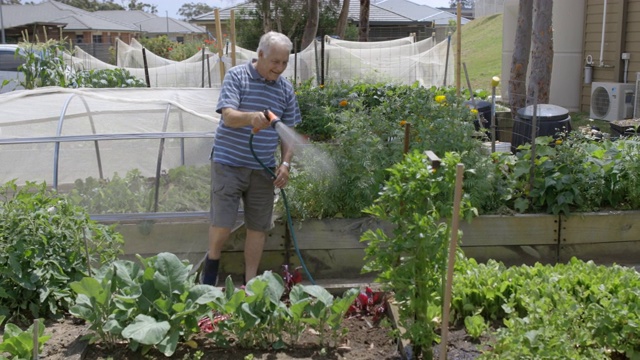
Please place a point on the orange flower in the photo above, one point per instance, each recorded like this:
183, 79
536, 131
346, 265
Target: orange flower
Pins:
343, 103
403, 122
169, 49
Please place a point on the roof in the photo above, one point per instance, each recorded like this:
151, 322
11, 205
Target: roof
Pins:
151, 23
419, 12
75, 19
55, 12
377, 14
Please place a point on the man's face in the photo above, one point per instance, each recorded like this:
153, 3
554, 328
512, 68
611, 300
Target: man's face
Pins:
271, 65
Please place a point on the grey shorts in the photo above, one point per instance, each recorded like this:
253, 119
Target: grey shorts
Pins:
229, 185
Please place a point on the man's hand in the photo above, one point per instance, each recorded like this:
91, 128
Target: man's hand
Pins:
282, 176
259, 121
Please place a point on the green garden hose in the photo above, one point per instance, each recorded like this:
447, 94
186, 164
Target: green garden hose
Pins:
286, 206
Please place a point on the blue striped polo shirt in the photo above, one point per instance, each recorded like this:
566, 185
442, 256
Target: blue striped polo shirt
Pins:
245, 90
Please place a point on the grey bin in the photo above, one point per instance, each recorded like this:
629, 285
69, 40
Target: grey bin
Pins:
551, 120
484, 109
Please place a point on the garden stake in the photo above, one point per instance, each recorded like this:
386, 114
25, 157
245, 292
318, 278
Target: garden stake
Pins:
455, 219
36, 331
495, 81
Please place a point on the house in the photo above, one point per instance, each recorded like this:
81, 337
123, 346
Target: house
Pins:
604, 33
94, 32
384, 24
153, 26
441, 18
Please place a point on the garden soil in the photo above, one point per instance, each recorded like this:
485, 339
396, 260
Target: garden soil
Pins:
363, 341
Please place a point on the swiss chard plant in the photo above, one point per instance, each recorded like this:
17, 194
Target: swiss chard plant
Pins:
155, 304
47, 243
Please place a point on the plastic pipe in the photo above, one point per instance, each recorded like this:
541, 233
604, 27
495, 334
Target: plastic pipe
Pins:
604, 23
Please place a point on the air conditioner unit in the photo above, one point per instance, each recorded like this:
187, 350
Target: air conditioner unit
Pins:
636, 105
611, 101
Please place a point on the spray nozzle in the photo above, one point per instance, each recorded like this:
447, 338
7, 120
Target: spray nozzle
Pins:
273, 119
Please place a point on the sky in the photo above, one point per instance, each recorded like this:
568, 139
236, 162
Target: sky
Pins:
170, 7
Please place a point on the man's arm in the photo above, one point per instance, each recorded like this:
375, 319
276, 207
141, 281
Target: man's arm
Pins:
237, 119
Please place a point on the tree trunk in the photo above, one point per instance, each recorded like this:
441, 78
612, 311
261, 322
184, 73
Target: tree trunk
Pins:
266, 15
520, 58
364, 20
341, 27
311, 28
541, 54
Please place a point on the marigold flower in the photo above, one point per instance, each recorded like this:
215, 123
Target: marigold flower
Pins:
403, 122
343, 103
440, 99
474, 111
559, 141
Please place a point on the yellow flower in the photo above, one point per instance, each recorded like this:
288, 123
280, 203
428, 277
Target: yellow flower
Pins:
321, 86
474, 111
559, 141
343, 103
440, 99
403, 122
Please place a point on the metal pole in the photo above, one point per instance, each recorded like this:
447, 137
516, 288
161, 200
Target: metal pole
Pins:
167, 12
4, 41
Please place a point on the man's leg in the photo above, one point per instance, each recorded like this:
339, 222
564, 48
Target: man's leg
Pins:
253, 247
217, 237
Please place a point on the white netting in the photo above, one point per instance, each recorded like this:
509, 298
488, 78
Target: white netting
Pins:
103, 131
400, 61
177, 74
130, 56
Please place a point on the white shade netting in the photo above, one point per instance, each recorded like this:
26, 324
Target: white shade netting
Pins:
131, 56
60, 136
202, 73
399, 61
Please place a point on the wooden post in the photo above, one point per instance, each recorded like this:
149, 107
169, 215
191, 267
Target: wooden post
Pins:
219, 43
232, 31
458, 45
455, 224
407, 131
146, 67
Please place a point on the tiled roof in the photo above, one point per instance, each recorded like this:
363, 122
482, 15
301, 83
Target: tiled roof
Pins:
151, 23
377, 14
419, 12
53, 12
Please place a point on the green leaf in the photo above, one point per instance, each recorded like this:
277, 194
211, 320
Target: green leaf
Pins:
146, 330
319, 293
171, 274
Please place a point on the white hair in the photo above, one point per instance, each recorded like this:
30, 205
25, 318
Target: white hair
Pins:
271, 39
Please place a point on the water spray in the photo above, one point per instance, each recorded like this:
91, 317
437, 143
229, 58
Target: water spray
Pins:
286, 134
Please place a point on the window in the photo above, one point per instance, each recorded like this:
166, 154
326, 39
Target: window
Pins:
180, 39
9, 61
97, 39
79, 39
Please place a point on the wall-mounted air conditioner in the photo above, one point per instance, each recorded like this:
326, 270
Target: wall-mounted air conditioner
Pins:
611, 101
636, 105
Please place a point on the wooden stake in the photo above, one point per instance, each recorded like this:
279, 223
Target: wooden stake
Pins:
219, 43
455, 224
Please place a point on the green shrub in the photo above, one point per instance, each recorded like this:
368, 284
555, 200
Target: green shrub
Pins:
45, 244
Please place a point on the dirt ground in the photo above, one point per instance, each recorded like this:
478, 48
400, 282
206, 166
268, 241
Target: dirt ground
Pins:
363, 341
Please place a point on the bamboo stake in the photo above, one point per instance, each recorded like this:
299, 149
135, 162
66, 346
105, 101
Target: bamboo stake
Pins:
219, 43
232, 31
455, 221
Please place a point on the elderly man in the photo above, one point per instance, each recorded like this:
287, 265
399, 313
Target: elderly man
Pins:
247, 91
